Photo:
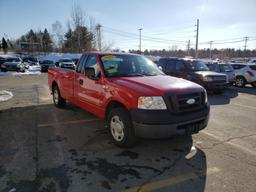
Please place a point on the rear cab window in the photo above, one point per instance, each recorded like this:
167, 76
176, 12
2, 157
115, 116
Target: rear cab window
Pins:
226, 68
238, 66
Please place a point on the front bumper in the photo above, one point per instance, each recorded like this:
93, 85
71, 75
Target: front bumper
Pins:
163, 124
215, 86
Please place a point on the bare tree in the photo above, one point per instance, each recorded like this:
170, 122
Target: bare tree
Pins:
58, 33
78, 16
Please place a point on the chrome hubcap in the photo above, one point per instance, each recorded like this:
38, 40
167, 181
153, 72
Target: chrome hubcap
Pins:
55, 96
117, 128
239, 82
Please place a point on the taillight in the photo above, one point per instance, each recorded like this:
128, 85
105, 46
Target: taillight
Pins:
250, 73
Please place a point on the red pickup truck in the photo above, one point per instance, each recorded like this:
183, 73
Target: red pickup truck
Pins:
133, 95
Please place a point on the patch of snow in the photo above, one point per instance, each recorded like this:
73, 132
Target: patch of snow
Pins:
14, 73
5, 95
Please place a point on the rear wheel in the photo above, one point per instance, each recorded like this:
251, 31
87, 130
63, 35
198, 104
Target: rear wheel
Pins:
120, 128
57, 99
240, 81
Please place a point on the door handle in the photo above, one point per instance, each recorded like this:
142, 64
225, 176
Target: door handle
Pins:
81, 81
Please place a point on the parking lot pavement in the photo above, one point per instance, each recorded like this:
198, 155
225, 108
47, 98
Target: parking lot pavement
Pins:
43, 148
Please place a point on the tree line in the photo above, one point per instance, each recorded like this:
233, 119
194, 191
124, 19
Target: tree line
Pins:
202, 53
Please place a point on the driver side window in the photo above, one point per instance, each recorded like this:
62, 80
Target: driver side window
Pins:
92, 63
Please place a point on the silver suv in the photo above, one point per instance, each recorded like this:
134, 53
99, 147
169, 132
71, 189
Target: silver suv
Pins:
223, 68
245, 74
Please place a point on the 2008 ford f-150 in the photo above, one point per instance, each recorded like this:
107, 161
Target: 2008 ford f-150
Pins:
134, 97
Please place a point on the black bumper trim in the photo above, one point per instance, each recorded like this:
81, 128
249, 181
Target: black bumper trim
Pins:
163, 124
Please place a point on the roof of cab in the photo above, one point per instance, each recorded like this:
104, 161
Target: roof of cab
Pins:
108, 53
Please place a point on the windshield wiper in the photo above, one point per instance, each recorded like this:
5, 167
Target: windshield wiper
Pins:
134, 74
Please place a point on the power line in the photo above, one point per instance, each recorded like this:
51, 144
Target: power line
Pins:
98, 31
197, 33
140, 38
144, 37
245, 42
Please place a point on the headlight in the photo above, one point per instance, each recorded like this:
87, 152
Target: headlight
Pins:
207, 78
151, 103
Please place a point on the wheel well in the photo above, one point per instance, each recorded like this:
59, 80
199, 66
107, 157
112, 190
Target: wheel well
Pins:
54, 84
112, 105
242, 78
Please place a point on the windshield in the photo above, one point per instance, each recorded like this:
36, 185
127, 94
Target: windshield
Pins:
30, 59
197, 66
46, 62
128, 65
13, 59
226, 68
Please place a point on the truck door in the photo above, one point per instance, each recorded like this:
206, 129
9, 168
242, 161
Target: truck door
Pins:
89, 92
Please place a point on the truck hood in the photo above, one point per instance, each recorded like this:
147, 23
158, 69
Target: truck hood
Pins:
209, 73
157, 85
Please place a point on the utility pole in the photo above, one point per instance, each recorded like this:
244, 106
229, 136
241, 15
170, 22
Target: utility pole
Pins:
188, 47
245, 42
211, 49
98, 29
197, 32
140, 40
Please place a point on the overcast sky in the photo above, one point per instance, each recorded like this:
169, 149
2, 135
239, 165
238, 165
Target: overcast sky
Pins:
226, 20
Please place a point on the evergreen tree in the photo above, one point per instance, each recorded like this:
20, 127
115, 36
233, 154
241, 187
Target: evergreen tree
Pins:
46, 41
4, 45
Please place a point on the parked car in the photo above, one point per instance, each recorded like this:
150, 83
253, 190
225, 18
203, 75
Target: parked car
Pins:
45, 64
75, 60
196, 71
30, 61
13, 64
135, 98
224, 68
66, 63
245, 74
252, 61
2, 60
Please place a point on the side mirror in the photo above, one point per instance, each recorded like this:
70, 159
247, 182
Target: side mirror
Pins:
159, 67
89, 72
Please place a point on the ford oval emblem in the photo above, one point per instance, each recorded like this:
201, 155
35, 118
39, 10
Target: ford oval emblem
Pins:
190, 101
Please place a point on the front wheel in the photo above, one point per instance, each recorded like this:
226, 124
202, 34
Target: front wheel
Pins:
240, 82
57, 99
120, 128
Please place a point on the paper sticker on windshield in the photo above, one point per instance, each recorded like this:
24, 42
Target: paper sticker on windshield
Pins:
111, 58
111, 69
108, 57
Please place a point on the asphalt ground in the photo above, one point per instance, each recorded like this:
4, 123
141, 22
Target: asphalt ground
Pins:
46, 149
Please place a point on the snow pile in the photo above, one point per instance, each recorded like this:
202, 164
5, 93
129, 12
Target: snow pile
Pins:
57, 56
5, 95
14, 73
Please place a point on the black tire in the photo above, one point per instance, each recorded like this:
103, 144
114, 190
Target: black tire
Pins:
129, 139
240, 81
57, 99
253, 84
